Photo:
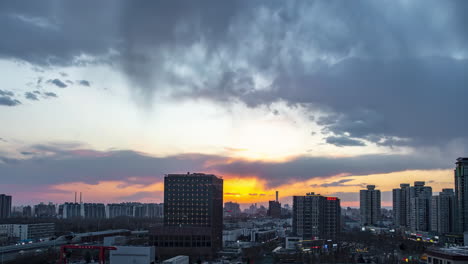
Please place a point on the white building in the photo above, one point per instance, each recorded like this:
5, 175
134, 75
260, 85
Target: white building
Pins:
28, 231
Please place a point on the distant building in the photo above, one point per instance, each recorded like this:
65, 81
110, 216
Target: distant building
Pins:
27, 211
401, 205
30, 231
193, 216
45, 210
412, 206
232, 209
71, 210
316, 217
5, 206
420, 206
443, 212
370, 205
93, 210
141, 210
274, 209
461, 194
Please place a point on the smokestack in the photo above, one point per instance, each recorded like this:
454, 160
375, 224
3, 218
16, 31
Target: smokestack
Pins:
75, 197
81, 201
276, 196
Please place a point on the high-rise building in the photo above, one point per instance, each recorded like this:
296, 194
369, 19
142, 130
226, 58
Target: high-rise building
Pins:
27, 211
370, 205
420, 197
461, 194
232, 209
5, 206
400, 204
71, 210
43, 210
316, 216
443, 212
93, 210
193, 216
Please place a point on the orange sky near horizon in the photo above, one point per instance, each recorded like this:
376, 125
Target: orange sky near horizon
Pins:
251, 189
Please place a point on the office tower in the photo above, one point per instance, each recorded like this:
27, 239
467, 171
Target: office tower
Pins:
232, 209
370, 205
420, 206
443, 212
5, 206
193, 216
316, 216
461, 194
400, 204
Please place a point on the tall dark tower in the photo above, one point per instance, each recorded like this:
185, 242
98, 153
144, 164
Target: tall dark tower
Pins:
461, 194
193, 216
370, 205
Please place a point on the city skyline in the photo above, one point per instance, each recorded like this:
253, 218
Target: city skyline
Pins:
106, 98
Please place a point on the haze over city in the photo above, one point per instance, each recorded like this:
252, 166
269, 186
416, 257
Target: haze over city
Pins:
294, 96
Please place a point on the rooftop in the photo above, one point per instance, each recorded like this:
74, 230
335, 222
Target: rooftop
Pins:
450, 252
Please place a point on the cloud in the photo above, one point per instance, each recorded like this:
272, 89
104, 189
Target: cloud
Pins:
57, 83
342, 141
143, 195
31, 96
389, 77
303, 168
6, 98
8, 101
339, 183
6, 93
85, 83
71, 162
50, 94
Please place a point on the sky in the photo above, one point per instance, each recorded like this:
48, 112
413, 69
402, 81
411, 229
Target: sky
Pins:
106, 97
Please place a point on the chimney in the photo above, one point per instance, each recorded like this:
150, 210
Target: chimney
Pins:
81, 201
276, 196
75, 197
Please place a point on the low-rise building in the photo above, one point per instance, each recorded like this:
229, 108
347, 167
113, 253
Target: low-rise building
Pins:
132, 254
29, 231
452, 255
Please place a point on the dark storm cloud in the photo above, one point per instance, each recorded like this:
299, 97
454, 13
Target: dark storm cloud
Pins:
31, 96
8, 101
392, 73
344, 141
69, 162
57, 83
52, 164
303, 168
